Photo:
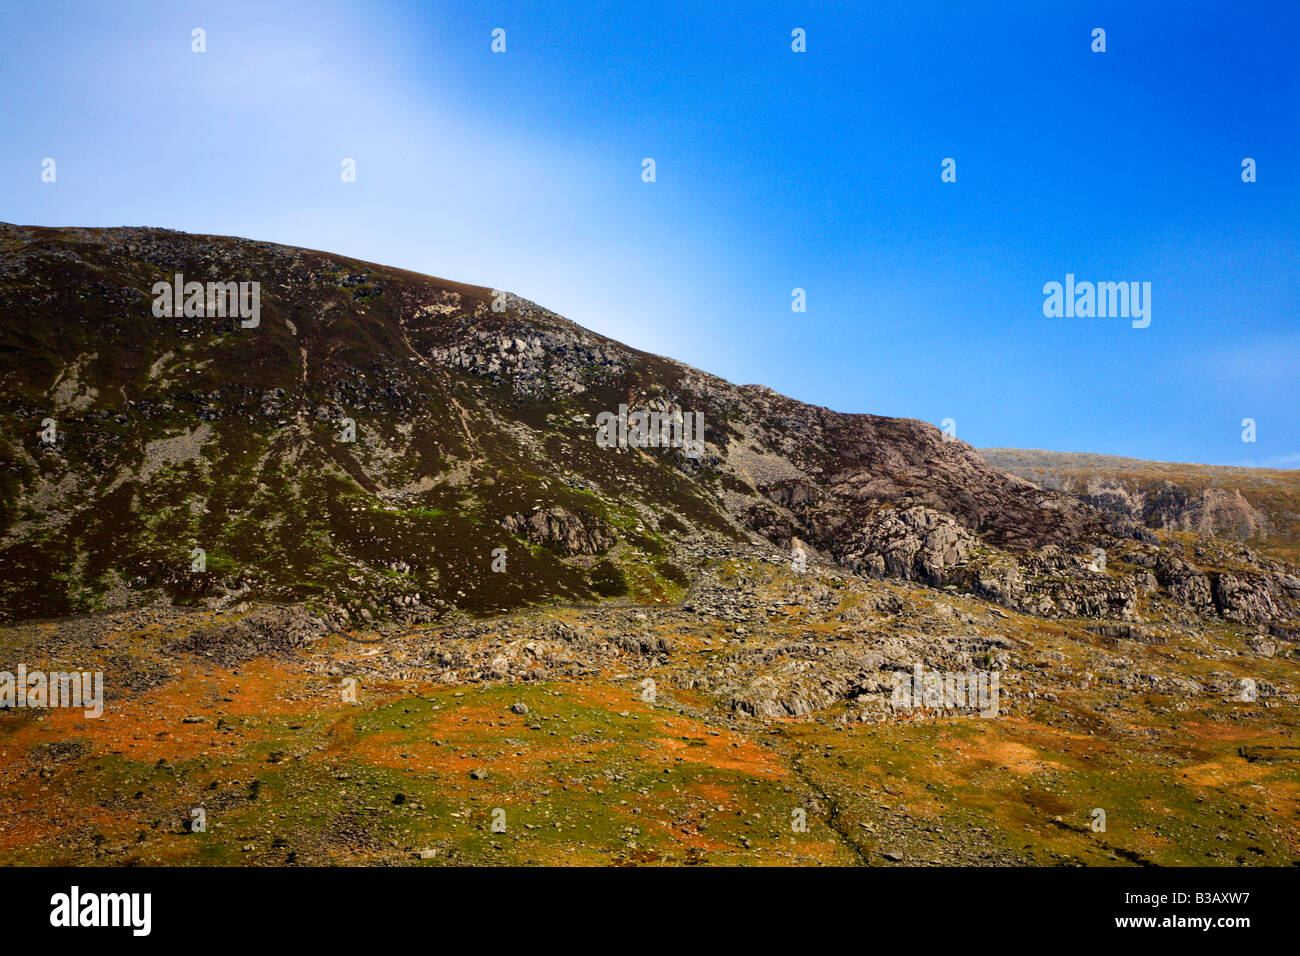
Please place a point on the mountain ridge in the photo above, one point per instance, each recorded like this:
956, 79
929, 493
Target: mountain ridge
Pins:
1260, 506
473, 414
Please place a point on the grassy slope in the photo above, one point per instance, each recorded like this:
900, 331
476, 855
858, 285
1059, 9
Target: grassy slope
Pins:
289, 772
279, 504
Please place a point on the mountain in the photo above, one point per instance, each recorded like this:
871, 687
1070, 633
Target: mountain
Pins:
174, 433
1260, 506
359, 566
474, 430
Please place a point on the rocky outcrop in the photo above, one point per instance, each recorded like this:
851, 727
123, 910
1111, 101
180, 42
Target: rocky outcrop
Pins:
1244, 599
266, 631
1208, 500
1054, 583
1187, 584
561, 530
916, 544
535, 362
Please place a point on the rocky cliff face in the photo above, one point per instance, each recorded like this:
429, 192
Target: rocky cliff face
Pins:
387, 445
1258, 505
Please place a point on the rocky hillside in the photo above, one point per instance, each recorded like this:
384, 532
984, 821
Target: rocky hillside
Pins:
1260, 506
383, 445
366, 586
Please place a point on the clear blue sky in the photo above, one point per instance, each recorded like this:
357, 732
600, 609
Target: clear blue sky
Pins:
775, 170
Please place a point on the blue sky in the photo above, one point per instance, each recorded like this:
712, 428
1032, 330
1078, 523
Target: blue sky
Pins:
775, 170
